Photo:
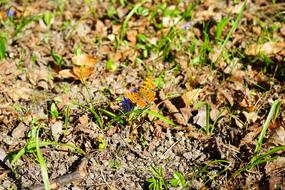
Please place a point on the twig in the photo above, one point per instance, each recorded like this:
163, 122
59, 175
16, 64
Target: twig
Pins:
77, 175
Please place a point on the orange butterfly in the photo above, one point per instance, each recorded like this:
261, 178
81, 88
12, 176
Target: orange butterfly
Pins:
144, 96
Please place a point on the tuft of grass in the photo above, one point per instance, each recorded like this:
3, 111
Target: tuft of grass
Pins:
207, 176
58, 59
157, 181
268, 156
233, 28
257, 158
24, 21
220, 26
128, 17
33, 143
178, 180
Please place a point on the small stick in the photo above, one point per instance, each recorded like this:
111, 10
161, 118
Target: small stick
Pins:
77, 175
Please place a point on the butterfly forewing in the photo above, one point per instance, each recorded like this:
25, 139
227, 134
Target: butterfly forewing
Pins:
147, 86
150, 96
144, 96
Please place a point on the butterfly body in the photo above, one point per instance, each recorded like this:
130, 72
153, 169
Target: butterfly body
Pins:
144, 96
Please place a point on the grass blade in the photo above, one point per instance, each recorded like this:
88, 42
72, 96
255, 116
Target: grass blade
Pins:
161, 117
272, 115
233, 28
3, 40
128, 17
42, 163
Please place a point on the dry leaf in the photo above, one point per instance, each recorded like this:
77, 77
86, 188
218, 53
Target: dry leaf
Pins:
249, 138
82, 72
84, 120
282, 30
84, 60
83, 67
3, 15
200, 118
191, 96
132, 36
19, 131
20, 92
268, 48
56, 129
67, 73
226, 94
277, 137
272, 170
101, 29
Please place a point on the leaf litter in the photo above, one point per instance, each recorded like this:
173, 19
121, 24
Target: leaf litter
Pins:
67, 66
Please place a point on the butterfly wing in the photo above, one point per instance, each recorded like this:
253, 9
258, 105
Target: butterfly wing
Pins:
150, 96
147, 86
136, 98
147, 90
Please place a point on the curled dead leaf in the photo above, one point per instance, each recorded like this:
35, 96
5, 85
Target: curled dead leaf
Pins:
83, 67
67, 73
84, 60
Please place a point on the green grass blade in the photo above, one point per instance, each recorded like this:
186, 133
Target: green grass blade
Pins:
66, 117
128, 17
219, 30
261, 159
30, 147
42, 163
275, 108
233, 28
161, 117
97, 117
3, 40
208, 119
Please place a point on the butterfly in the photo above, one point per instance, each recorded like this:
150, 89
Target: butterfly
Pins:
144, 96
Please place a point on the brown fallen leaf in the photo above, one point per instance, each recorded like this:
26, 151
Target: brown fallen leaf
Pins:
67, 73
191, 97
277, 137
83, 67
132, 36
274, 172
268, 48
172, 109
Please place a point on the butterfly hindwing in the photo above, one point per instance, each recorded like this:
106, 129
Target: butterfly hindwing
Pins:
136, 98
